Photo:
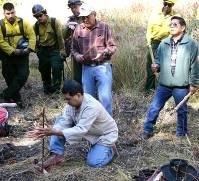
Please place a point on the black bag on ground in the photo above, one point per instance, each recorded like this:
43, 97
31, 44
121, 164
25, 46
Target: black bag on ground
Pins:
176, 170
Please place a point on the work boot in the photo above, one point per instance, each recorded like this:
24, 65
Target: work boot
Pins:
116, 153
145, 136
52, 161
17, 99
5, 99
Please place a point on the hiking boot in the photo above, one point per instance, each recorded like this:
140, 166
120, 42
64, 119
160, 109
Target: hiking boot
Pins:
5, 99
145, 136
17, 99
115, 151
52, 161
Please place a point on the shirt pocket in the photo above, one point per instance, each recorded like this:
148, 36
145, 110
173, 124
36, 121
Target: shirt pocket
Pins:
83, 41
99, 40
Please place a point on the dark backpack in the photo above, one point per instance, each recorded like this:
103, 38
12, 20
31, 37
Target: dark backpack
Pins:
175, 170
3, 28
36, 29
178, 170
21, 28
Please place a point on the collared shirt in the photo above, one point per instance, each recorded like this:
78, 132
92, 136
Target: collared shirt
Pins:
47, 36
91, 122
91, 42
187, 67
174, 49
158, 27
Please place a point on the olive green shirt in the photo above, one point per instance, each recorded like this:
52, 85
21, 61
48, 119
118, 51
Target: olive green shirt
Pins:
47, 36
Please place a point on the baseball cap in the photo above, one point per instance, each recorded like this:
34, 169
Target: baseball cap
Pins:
86, 10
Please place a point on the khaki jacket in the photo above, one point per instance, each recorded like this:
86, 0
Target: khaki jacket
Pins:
91, 122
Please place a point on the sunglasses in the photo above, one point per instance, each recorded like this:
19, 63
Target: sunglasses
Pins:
167, 4
38, 16
173, 25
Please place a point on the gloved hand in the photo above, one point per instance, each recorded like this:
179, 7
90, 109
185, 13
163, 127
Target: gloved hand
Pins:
63, 54
72, 25
17, 52
26, 51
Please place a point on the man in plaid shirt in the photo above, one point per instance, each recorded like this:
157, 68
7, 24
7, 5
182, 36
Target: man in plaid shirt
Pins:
93, 46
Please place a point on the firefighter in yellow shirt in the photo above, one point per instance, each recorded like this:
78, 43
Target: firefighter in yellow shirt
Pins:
157, 29
15, 53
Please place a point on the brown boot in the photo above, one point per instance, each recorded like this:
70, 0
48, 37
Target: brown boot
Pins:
52, 161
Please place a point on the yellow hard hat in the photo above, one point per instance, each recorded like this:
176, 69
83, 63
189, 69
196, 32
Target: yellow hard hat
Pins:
170, 1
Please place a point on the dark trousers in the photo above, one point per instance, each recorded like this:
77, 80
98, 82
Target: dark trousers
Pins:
51, 68
15, 70
151, 81
77, 71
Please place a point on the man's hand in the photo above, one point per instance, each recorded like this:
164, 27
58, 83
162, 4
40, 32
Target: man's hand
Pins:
63, 54
105, 54
155, 67
18, 52
97, 56
40, 132
79, 58
193, 89
26, 51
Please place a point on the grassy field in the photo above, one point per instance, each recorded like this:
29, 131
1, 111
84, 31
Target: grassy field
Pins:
130, 106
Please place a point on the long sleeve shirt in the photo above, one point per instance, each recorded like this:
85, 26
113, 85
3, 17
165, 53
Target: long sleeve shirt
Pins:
186, 63
158, 27
90, 42
49, 37
91, 122
13, 35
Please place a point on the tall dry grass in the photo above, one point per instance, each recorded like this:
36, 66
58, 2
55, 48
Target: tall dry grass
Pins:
129, 28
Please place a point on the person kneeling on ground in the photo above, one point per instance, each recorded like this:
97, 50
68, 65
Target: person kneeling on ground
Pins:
83, 117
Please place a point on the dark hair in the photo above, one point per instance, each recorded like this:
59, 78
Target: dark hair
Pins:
8, 6
180, 19
72, 87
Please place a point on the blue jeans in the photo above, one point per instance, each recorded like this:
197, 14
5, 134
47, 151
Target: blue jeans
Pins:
163, 93
98, 155
97, 81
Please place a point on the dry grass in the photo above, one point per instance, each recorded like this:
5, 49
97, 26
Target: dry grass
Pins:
130, 106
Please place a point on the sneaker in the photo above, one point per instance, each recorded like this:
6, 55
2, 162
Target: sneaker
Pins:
145, 136
52, 161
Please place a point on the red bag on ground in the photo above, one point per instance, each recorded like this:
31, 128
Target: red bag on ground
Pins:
4, 129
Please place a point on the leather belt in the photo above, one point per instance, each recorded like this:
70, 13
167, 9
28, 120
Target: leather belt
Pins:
94, 64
